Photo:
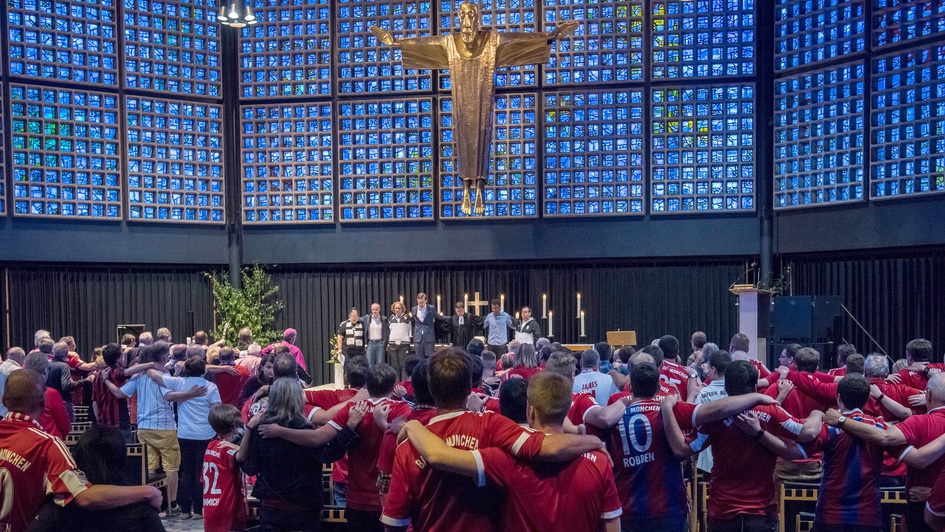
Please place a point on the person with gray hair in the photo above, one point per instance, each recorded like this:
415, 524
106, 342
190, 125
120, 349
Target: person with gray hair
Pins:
60, 377
13, 361
39, 336
591, 380
55, 420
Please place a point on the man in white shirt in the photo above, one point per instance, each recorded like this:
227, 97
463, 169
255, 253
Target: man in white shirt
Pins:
715, 390
377, 330
13, 361
591, 380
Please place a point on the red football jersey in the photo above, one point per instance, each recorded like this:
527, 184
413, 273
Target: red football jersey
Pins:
838, 372
742, 480
798, 403
224, 492
230, 386
362, 458
385, 460
920, 430
325, 400
919, 379
936, 502
538, 494
33, 466
665, 390
437, 501
525, 373
849, 488
644, 463
678, 376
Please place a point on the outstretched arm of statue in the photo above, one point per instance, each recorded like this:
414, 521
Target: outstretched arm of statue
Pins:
564, 29
418, 53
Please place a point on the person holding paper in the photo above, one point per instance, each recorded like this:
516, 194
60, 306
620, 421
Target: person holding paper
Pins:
527, 330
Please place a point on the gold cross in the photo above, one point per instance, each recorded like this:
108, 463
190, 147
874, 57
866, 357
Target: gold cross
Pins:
476, 303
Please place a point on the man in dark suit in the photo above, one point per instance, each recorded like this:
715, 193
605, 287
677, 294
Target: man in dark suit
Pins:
376, 333
463, 326
424, 332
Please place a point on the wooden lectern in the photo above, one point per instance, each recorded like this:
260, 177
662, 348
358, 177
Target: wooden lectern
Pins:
621, 338
754, 317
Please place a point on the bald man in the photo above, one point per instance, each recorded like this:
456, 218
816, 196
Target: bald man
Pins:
38, 464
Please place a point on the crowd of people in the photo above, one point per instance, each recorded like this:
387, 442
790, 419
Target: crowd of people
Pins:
471, 437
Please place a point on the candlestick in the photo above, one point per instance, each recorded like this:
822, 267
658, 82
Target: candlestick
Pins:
544, 305
551, 326
579, 305
582, 324
438, 311
466, 302
502, 302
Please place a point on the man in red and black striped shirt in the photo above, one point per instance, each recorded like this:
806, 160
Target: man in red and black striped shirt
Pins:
109, 409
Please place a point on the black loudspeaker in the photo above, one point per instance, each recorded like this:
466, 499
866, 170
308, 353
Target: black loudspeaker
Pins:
808, 319
792, 319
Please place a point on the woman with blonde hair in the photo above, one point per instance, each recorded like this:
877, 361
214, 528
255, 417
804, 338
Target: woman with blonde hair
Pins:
524, 363
398, 344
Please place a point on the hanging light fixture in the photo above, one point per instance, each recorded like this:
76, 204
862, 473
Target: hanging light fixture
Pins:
237, 14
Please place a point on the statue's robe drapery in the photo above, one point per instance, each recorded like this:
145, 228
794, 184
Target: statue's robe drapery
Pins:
473, 84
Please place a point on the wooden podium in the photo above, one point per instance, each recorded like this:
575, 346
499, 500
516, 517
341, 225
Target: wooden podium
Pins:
621, 338
754, 317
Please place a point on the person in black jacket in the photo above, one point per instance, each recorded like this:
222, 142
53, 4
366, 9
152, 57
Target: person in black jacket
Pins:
463, 326
289, 476
100, 454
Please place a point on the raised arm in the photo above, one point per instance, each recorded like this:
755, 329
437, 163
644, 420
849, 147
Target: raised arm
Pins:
788, 451
312, 438
561, 447
116, 391
139, 368
674, 435
104, 497
416, 52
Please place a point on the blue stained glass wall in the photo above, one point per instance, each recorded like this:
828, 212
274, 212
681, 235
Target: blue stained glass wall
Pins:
502, 15
819, 131
807, 32
288, 53
172, 46
3, 147
287, 163
386, 159
700, 38
896, 21
593, 153
908, 123
512, 187
368, 66
703, 149
607, 46
66, 152
72, 41
175, 160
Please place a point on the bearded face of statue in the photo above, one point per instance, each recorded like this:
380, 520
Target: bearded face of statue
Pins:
468, 21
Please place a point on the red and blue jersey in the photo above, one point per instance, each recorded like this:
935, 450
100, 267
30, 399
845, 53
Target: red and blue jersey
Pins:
648, 475
849, 488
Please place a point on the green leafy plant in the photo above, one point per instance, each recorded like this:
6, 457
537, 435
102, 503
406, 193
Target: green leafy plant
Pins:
335, 354
255, 306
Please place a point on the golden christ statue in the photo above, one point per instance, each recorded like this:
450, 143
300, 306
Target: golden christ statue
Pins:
472, 55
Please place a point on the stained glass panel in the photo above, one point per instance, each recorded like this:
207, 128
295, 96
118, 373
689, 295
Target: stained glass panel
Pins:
702, 38
902, 20
703, 154
593, 153
71, 40
908, 123
386, 159
818, 131
808, 31
172, 46
288, 53
175, 161
287, 171
66, 151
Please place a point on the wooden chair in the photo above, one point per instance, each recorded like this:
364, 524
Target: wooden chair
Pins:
81, 413
794, 492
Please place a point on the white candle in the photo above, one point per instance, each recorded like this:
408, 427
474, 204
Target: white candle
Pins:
582, 324
517, 316
544, 305
466, 302
401, 299
579, 305
551, 326
438, 311
502, 302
